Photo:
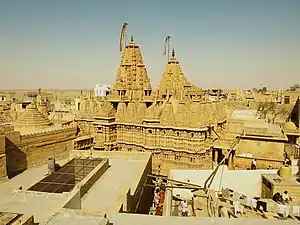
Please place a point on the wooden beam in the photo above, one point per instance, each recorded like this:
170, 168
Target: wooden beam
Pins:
182, 187
176, 181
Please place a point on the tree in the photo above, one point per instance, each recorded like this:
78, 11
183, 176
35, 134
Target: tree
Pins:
294, 87
262, 90
271, 110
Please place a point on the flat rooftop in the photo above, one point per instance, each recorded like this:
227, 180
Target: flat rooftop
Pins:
107, 194
275, 179
247, 182
41, 204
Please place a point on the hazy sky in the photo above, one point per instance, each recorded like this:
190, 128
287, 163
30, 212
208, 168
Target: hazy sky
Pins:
220, 43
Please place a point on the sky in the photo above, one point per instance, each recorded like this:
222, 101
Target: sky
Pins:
74, 44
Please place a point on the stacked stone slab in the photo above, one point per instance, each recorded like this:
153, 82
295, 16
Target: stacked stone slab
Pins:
31, 118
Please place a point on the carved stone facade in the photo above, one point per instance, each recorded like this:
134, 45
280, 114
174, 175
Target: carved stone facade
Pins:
172, 122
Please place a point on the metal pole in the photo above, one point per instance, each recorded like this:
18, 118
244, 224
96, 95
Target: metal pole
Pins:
169, 48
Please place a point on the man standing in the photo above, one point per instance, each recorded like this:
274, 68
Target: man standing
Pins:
253, 164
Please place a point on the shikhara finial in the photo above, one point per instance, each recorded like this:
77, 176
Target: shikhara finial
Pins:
131, 39
173, 53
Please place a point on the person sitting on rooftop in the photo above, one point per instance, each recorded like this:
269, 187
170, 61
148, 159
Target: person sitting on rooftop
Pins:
285, 197
277, 198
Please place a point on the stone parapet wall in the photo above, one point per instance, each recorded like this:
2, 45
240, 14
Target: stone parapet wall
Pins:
54, 135
35, 149
245, 163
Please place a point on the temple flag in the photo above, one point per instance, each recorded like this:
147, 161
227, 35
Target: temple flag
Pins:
122, 35
165, 46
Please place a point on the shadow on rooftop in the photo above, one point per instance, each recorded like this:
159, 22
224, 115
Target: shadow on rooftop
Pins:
16, 161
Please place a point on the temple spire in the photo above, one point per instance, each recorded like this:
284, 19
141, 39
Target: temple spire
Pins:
131, 39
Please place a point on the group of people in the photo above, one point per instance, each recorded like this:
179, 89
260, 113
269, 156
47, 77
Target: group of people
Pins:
287, 162
282, 199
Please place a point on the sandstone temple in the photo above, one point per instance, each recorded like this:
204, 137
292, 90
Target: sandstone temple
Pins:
81, 158
172, 121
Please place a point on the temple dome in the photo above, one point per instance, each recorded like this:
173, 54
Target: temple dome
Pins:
31, 118
289, 126
107, 110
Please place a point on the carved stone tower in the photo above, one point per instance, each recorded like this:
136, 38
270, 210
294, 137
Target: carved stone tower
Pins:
132, 82
174, 82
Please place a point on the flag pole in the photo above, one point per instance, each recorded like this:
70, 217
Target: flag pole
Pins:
169, 48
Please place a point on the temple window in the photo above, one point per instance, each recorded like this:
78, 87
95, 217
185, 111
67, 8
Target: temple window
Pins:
286, 99
150, 131
192, 135
177, 133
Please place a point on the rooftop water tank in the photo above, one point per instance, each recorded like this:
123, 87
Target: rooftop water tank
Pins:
285, 172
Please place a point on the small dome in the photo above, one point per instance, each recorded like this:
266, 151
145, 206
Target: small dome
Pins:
289, 126
107, 110
31, 118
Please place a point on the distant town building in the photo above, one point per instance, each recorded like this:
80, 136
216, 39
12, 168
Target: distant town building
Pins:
102, 90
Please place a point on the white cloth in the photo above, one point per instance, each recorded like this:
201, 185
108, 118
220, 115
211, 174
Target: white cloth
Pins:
253, 203
156, 199
284, 210
249, 201
254, 162
296, 210
237, 207
184, 206
236, 196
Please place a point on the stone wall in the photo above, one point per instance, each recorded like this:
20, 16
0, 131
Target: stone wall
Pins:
164, 161
24, 151
266, 152
172, 147
244, 163
139, 200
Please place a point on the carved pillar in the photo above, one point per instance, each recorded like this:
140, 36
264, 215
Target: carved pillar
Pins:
168, 95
